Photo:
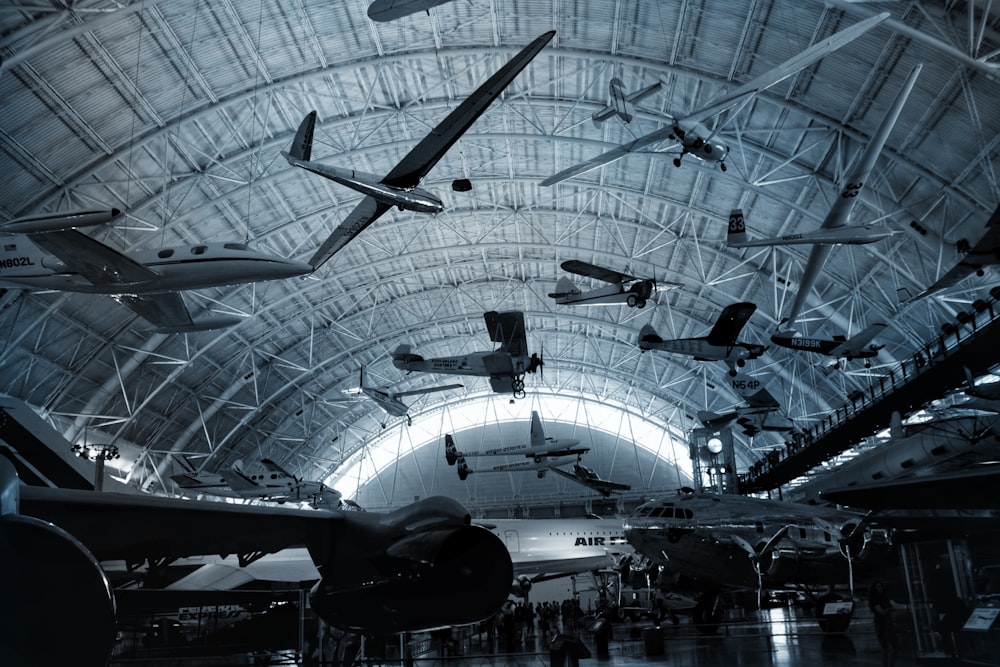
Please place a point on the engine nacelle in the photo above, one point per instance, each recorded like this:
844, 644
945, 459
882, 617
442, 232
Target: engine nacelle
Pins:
782, 564
418, 568
522, 586
869, 544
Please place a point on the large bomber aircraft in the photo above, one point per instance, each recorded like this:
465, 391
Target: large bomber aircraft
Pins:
852, 187
419, 567
715, 541
505, 366
693, 136
720, 344
400, 186
53, 255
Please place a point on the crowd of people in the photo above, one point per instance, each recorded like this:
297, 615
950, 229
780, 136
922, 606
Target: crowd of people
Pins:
517, 625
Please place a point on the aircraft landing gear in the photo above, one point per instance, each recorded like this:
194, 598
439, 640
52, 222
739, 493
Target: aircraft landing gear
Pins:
517, 386
733, 373
709, 613
541, 474
631, 301
677, 162
722, 166
641, 304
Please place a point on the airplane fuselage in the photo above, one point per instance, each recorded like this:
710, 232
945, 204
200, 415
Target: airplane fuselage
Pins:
550, 448
481, 364
705, 537
820, 346
616, 294
701, 349
410, 199
693, 140
848, 235
554, 546
24, 265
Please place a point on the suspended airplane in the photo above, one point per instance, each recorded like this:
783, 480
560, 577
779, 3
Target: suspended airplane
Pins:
622, 104
854, 183
541, 464
505, 366
759, 414
583, 475
538, 446
634, 296
715, 540
985, 252
419, 567
400, 186
839, 347
276, 484
737, 236
390, 10
389, 399
698, 140
719, 345
53, 255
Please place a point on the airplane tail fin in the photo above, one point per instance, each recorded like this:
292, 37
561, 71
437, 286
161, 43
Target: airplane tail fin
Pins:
537, 433
648, 335
896, 425
564, 288
239, 481
463, 469
301, 148
450, 450
623, 108
737, 228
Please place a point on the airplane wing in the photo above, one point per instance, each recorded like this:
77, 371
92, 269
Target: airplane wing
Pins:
92, 259
507, 328
856, 345
426, 390
415, 165
854, 182
730, 323
766, 80
986, 251
596, 272
168, 313
365, 213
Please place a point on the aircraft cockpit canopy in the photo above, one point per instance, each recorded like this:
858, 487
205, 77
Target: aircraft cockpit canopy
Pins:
666, 510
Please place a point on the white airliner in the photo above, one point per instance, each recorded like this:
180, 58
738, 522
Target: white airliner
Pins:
536, 546
694, 137
622, 104
854, 183
53, 255
399, 187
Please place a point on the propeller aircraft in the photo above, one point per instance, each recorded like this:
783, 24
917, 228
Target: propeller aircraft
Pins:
839, 347
759, 414
741, 542
399, 187
389, 399
505, 367
694, 137
634, 295
54, 255
622, 104
276, 484
538, 446
583, 475
720, 344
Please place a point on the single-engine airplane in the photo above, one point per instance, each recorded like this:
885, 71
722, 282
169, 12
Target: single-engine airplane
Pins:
538, 446
583, 475
691, 132
54, 255
419, 567
857, 178
839, 347
633, 296
720, 344
622, 104
735, 541
390, 400
505, 366
759, 414
400, 186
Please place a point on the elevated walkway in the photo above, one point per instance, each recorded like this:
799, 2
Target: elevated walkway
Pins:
973, 344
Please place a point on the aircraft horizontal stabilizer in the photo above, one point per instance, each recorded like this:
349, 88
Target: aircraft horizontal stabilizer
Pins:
402, 353
301, 148
56, 222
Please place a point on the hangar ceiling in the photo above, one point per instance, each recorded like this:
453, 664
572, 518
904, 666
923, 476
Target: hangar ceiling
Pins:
177, 113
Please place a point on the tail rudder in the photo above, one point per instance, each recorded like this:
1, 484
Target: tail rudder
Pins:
537, 433
463, 469
450, 451
403, 354
565, 287
737, 228
301, 148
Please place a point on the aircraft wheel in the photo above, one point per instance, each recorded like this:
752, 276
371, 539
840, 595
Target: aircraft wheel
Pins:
741, 362
677, 162
722, 166
836, 366
631, 300
541, 474
641, 303
868, 364
732, 373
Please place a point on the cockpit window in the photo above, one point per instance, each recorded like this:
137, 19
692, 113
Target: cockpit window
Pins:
198, 250
235, 246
